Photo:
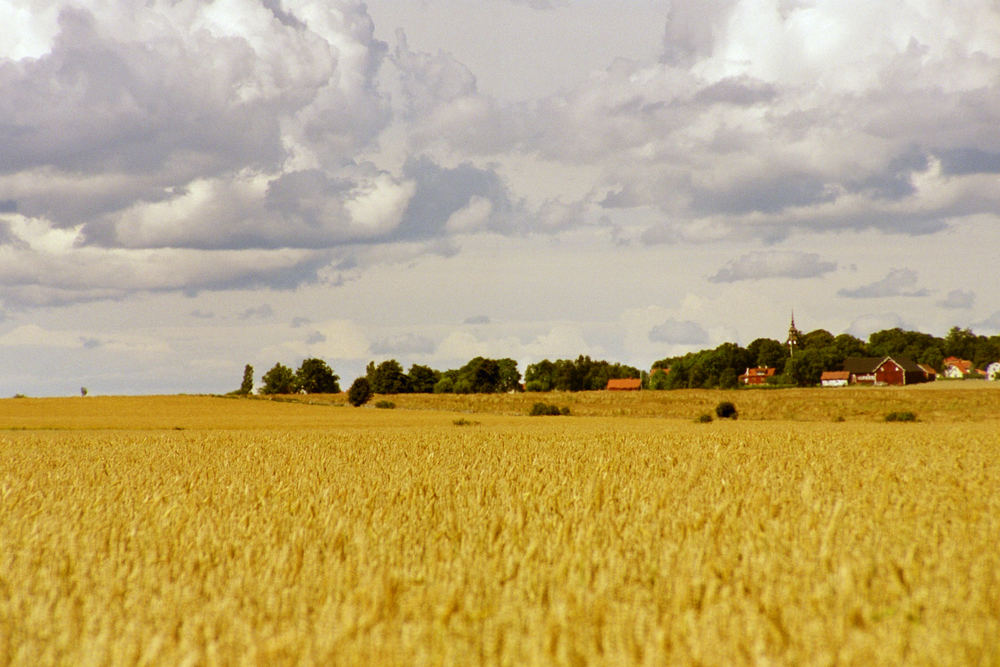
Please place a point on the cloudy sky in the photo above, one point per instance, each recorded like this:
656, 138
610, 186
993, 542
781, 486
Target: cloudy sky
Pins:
189, 186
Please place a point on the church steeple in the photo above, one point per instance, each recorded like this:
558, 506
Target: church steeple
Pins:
794, 337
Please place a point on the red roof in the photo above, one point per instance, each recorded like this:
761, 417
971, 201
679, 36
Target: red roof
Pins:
624, 384
963, 365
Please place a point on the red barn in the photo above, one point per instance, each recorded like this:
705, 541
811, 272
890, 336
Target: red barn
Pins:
884, 370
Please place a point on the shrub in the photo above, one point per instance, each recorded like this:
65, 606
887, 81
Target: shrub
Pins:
464, 422
704, 418
359, 393
385, 405
904, 416
544, 409
725, 410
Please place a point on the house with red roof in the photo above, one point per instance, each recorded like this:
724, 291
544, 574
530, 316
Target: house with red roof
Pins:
757, 376
956, 369
624, 384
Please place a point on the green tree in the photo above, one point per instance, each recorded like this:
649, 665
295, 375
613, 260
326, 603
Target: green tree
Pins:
316, 377
422, 379
278, 380
387, 378
933, 357
247, 386
729, 379
846, 345
483, 376
768, 353
510, 377
818, 338
806, 367
960, 343
360, 392
658, 379
446, 385
539, 376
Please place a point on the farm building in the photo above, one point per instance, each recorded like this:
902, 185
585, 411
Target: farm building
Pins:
835, 378
929, 372
956, 368
755, 376
624, 384
883, 370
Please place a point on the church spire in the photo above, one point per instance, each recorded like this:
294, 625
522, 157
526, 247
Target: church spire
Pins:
794, 337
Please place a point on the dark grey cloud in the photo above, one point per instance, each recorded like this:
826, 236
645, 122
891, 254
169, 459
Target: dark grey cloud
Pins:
298, 322
287, 18
773, 264
403, 344
202, 315
737, 90
263, 311
678, 332
6, 235
895, 181
441, 192
771, 192
962, 161
315, 338
477, 319
898, 282
958, 299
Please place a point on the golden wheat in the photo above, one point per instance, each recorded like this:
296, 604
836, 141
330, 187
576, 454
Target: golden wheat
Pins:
339, 536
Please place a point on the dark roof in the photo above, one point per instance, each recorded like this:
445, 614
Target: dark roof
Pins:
862, 364
869, 364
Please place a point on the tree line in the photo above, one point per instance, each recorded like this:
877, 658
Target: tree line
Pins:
815, 352
480, 375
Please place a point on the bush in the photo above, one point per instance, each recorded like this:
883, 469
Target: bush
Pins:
359, 393
725, 410
545, 409
464, 422
704, 418
385, 405
904, 416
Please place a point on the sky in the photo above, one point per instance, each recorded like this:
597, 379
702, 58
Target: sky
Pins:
187, 186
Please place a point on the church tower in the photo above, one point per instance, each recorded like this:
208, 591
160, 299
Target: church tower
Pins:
794, 337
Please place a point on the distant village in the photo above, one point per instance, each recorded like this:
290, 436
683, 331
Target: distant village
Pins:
819, 358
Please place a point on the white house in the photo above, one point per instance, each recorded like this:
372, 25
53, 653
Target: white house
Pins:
835, 378
993, 371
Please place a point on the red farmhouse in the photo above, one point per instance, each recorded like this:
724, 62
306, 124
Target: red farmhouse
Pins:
757, 375
884, 370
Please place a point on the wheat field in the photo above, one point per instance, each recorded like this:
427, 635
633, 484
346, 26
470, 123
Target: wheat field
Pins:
203, 531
